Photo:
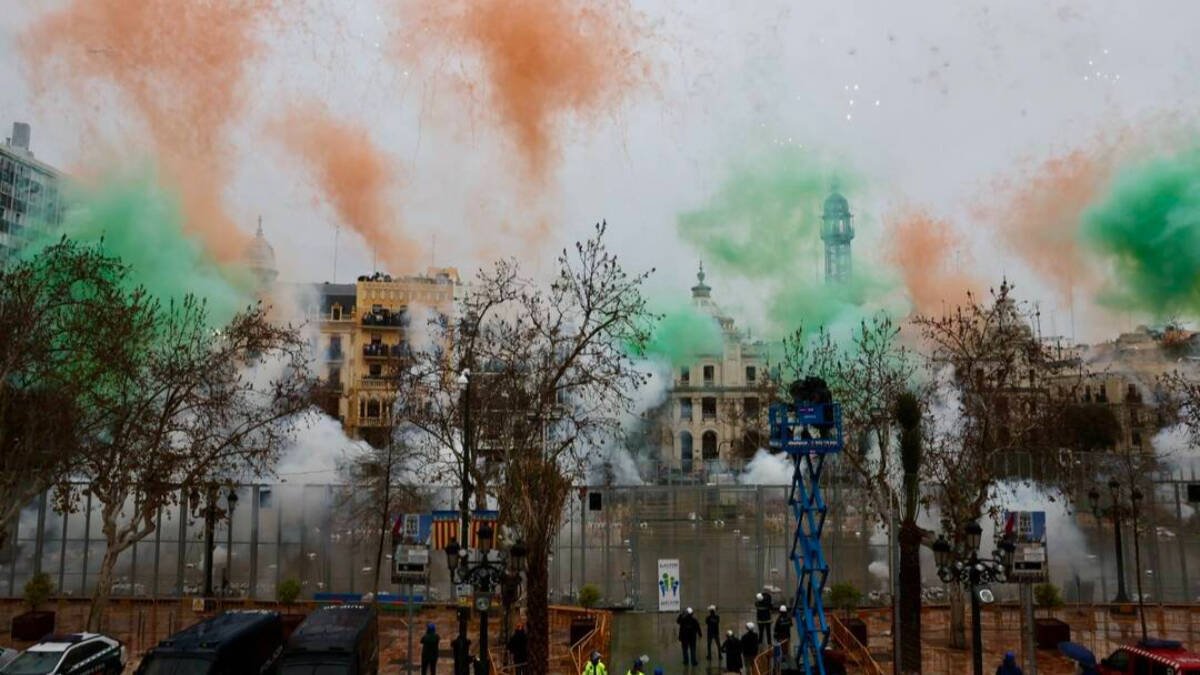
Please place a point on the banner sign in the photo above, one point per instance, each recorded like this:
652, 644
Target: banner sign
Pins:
1028, 531
668, 585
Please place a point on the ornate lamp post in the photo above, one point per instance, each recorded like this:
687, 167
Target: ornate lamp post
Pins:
967, 568
490, 569
1116, 510
231, 500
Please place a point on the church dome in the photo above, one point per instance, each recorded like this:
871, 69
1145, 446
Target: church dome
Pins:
260, 257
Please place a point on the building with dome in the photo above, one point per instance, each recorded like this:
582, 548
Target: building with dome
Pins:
260, 258
712, 420
837, 230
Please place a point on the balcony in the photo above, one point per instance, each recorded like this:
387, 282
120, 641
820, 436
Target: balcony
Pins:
383, 318
375, 350
334, 354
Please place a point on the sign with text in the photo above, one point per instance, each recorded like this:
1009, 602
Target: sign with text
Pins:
1028, 532
668, 585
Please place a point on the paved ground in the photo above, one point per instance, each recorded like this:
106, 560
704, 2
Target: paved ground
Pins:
142, 625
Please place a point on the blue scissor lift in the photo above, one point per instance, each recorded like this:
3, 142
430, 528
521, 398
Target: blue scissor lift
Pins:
808, 429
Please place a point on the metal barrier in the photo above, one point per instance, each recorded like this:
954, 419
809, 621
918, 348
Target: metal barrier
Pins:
856, 652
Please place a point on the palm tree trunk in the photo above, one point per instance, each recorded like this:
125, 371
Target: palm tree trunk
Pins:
910, 597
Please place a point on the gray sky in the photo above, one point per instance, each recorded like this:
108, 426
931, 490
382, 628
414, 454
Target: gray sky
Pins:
967, 91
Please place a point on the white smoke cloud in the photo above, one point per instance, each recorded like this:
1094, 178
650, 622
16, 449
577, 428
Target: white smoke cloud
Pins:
768, 469
319, 446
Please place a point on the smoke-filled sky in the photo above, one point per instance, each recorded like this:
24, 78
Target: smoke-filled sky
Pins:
507, 127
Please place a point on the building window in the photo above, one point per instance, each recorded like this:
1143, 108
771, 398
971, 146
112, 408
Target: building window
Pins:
685, 451
1134, 418
1102, 397
709, 372
751, 408
335, 376
685, 409
751, 442
376, 370
336, 313
373, 409
1133, 395
1137, 439
335, 347
709, 445
751, 374
685, 375
1087, 394
708, 408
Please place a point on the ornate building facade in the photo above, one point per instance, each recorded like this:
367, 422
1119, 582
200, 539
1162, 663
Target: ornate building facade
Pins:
717, 400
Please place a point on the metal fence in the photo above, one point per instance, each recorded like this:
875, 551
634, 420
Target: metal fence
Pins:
731, 541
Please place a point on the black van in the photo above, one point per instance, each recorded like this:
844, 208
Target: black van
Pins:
334, 640
241, 642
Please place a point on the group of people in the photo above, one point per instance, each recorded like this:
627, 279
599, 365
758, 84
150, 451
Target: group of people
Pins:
738, 652
518, 649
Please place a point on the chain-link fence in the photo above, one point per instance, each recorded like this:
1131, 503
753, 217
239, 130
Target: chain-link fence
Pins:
731, 541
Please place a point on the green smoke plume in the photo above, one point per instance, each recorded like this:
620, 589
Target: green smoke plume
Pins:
764, 224
1148, 227
683, 333
141, 223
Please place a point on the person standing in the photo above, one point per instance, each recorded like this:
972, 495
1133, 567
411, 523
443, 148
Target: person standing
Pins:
783, 629
430, 642
639, 666
689, 634
461, 648
518, 647
750, 644
712, 624
762, 614
595, 666
1009, 665
732, 649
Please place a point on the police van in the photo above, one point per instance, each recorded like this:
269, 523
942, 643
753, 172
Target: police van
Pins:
334, 640
243, 641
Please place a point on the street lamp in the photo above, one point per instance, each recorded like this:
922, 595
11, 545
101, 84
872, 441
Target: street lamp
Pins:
231, 499
488, 572
967, 568
1116, 510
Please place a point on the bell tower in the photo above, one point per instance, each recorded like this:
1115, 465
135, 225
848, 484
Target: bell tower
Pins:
837, 230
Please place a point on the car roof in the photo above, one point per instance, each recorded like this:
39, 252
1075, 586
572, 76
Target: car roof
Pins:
61, 643
332, 628
1167, 653
212, 634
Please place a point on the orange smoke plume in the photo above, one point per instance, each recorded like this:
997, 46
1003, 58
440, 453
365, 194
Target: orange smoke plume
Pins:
540, 62
179, 65
923, 249
354, 175
1038, 215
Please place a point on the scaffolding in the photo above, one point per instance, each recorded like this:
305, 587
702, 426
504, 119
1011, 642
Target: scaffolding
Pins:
808, 429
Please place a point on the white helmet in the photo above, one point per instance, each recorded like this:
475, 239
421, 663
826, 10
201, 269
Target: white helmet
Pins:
712, 608
689, 610
729, 633
758, 596
749, 625
783, 608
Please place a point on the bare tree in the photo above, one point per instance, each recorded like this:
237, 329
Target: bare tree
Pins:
991, 397
552, 376
866, 378
65, 317
193, 407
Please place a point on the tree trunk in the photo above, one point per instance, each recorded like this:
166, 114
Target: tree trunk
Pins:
958, 617
108, 566
384, 513
537, 608
910, 597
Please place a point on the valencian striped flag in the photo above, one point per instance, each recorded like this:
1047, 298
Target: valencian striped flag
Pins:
445, 527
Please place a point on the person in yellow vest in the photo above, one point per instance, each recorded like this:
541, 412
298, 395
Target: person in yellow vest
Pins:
595, 666
639, 666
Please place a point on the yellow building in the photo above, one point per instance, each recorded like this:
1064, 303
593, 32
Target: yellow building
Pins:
716, 406
364, 324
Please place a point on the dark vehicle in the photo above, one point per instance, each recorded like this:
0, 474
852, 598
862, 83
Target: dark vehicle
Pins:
1152, 657
234, 642
334, 640
75, 653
